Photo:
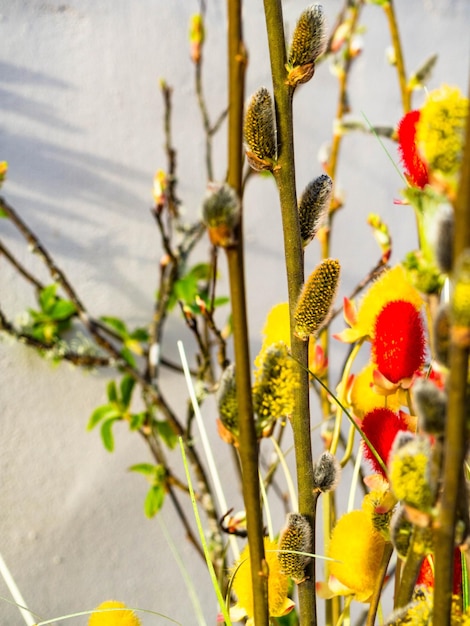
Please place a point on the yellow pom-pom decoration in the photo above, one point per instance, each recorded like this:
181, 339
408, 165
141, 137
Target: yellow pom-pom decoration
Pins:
113, 613
357, 549
278, 584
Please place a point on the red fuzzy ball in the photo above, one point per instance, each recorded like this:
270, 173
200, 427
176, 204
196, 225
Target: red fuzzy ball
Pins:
399, 346
381, 426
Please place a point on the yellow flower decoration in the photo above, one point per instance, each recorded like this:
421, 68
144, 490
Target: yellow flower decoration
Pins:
364, 399
278, 584
392, 285
440, 131
357, 550
277, 328
114, 617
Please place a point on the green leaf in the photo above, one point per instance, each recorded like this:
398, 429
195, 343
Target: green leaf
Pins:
137, 420
128, 356
111, 391
167, 433
139, 334
126, 387
186, 289
107, 434
117, 325
220, 301
47, 298
200, 271
147, 469
62, 309
104, 412
154, 500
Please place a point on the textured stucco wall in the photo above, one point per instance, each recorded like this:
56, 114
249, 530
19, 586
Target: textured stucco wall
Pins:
81, 128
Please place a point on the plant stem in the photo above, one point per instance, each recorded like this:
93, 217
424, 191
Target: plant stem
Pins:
285, 179
248, 444
456, 437
410, 571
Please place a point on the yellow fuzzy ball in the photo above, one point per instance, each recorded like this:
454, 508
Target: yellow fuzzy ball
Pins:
357, 549
114, 616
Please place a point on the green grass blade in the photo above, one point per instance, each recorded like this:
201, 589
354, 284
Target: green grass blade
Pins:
210, 567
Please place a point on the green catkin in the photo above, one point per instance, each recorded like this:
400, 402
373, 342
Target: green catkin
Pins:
227, 400
259, 131
308, 43
221, 213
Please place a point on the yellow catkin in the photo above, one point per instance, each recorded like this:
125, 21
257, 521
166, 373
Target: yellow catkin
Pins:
316, 299
294, 538
259, 130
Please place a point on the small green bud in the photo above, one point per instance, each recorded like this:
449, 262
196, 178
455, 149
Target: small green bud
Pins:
221, 214
431, 406
259, 131
308, 43
316, 299
326, 473
313, 205
295, 538
227, 400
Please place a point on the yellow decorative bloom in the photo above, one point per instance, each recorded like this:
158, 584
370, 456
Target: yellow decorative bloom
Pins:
440, 131
364, 399
113, 617
278, 584
357, 549
277, 328
392, 285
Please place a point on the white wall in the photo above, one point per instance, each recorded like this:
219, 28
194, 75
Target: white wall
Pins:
81, 128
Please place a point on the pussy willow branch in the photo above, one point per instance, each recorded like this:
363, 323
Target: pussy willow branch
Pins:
342, 108
456, 433
398, 51
410, 571
285, 179
80, 360
209, 129
52, 349
354, 9
120, 364
248, 444
173, 202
